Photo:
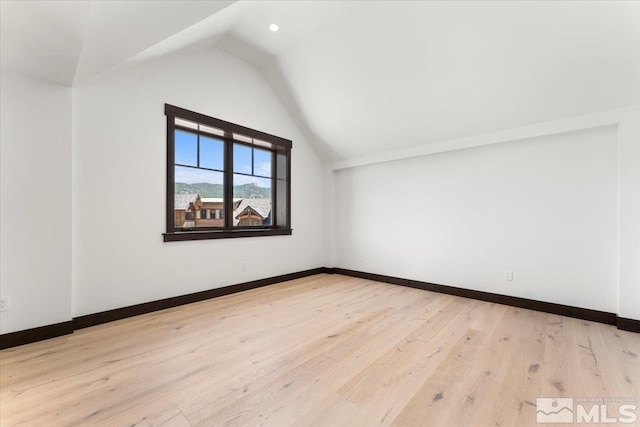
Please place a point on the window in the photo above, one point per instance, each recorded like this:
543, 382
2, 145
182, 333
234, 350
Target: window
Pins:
214, 165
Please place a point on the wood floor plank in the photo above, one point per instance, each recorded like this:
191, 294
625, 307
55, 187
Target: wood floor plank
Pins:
504, 373
176, 421
323, 350
404, 355
384, 388
333, 411
623, 356
433, 401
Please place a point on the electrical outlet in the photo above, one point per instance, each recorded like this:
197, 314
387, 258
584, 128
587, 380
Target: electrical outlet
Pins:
508, 275
5, 303
361, 258
244, 266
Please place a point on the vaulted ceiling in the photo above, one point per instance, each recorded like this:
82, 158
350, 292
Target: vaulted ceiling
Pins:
362, 77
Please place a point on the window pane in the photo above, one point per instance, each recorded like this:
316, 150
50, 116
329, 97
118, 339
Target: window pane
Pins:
262, 162
214, 131
282, 203
196, 192
264, 144
242, 159
211, 153
252, 201
211, 205
208, 183
186, 148
281, 189
185, 123
281, 166
240, 137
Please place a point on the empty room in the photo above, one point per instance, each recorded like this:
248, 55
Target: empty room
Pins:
319, 213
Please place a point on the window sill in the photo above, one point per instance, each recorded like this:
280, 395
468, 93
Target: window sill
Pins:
222, 234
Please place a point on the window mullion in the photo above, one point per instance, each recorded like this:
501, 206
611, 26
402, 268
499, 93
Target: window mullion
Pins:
198, 152
228, 185
170, 174
274, 190
288, 160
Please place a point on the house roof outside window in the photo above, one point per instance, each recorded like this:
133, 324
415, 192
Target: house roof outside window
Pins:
260, 206
183, 201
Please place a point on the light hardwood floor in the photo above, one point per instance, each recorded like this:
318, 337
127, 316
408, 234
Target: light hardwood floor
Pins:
325, 350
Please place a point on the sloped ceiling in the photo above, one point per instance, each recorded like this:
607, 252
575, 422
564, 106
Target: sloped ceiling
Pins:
43, 38
363, 77
71, 41
388, 76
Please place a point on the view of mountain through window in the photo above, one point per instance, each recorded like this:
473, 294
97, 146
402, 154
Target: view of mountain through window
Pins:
199, 182
252, 172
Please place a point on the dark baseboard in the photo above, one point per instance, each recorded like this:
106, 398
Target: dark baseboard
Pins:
14, 339
148, 307
547, 307
27, 336
630, 325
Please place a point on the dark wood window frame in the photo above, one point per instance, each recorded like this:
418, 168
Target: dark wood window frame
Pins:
278, 146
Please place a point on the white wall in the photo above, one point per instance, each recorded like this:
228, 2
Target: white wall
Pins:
119, 167
35, 230
545, 207
629, 203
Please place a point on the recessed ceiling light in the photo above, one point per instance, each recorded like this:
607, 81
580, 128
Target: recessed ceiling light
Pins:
274, 27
